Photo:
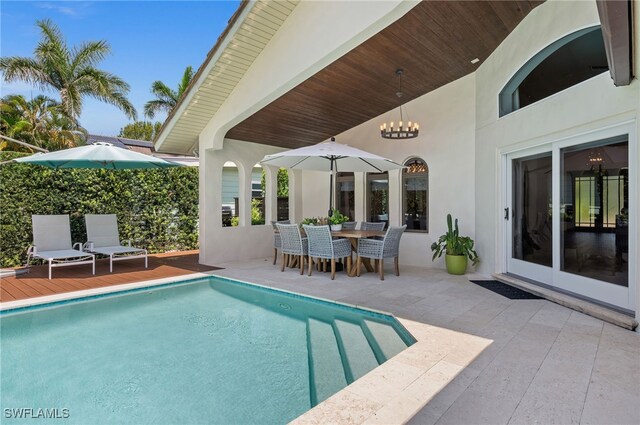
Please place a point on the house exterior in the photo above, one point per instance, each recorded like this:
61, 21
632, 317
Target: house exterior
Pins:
541, 169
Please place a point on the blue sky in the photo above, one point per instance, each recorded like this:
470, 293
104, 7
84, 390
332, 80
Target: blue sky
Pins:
150, 40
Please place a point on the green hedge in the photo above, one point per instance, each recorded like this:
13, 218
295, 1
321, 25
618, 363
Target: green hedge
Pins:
156, 209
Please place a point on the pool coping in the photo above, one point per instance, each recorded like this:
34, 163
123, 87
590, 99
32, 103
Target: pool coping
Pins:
392, 393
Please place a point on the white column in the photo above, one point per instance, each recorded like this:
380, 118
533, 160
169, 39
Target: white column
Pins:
244, 192
395, 197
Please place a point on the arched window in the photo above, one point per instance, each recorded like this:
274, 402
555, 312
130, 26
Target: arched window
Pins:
415, 195
564, 63
230, 194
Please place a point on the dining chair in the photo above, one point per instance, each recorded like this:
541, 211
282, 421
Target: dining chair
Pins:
294, 246
388, 247
277, 240
368, 225
349, 225
323, 246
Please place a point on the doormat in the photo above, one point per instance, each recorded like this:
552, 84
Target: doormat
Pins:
505, 290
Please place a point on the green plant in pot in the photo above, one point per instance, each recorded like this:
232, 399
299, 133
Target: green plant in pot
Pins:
457, 249
336, 220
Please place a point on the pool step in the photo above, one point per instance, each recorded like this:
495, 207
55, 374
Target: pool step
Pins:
325, 378
357, 355
384, 339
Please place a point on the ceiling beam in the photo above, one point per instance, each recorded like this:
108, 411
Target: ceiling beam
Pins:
615, 18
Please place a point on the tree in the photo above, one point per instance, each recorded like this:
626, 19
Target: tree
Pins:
283, 183
166, 98
141, 130
71, 71
39, 121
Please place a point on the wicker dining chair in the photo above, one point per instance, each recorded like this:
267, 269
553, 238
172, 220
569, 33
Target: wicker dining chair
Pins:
378, 250
322, 246
349, 225
277, 240
368, 225
294, 246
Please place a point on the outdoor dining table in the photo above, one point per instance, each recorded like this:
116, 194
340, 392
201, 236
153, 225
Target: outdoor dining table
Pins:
354, 236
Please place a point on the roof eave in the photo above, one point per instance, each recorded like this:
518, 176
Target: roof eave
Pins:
201, 74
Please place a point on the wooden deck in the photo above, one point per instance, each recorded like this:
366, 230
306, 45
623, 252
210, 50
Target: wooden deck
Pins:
75, 278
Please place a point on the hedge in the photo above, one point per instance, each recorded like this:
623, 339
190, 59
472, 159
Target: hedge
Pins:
156, 209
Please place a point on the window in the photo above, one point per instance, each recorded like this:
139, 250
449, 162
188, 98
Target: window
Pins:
378, 197
345, 194
595, 224
230, 193
415, 195
564, 63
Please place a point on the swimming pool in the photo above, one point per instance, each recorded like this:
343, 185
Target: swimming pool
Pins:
210, 350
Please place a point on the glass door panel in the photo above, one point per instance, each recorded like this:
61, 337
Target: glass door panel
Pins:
378, 197
595, 218
532, 237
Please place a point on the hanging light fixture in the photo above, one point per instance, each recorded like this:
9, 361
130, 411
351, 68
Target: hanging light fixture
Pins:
403, 129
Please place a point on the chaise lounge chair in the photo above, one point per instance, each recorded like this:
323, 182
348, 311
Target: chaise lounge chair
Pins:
52, 243
103, 238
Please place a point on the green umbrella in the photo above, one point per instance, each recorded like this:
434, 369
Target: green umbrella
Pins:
97, 155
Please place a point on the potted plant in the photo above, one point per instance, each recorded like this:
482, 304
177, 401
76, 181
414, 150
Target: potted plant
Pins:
310, 221
457, 249
336, 220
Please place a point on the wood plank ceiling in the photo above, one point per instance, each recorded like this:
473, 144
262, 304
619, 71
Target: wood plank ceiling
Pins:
434, 43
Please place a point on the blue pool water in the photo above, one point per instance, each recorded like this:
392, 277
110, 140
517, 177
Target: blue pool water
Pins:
208, 351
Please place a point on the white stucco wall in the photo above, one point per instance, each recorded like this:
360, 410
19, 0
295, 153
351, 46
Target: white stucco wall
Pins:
446, 142
591, 105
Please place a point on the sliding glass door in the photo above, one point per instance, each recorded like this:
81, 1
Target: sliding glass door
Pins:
567, 217
530, 213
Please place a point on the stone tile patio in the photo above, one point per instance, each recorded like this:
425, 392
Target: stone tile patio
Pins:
480, 358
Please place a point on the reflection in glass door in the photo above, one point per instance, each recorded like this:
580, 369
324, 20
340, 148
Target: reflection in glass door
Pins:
595, 220
569, 214
531, 199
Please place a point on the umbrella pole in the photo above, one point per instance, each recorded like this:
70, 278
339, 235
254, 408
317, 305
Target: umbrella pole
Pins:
331, 190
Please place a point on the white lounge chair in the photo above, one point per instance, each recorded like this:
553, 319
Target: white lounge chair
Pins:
103, 238
52, 242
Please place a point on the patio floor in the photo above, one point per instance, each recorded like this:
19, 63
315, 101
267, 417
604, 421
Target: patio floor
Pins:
75, 278
534, 361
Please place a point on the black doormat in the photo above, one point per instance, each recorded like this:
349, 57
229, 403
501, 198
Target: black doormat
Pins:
506, 290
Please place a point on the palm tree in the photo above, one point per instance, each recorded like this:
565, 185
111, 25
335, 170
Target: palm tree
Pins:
166, 98
39, 121
72, 72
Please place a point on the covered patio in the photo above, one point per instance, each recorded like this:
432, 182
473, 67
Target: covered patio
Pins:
510, 162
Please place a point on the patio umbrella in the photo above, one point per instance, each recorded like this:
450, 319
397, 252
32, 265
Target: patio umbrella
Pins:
333, 157
97, 155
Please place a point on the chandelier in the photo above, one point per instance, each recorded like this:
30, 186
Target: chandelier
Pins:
403, 130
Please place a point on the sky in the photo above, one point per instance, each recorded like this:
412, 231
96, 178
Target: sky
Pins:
150, 40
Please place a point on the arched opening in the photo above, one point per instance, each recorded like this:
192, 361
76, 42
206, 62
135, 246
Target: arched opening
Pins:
564, 63
258, 195
230, 194
283, 194
415, 195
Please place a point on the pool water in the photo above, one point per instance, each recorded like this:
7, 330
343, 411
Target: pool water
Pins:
208, 351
